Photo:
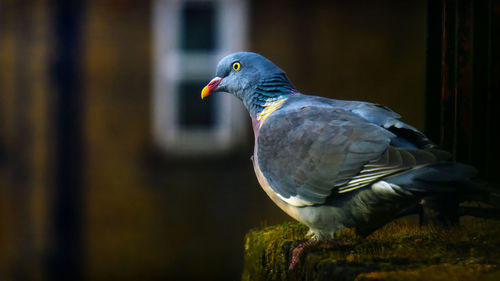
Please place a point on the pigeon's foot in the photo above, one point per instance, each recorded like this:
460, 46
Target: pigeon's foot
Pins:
297, 252
331, 244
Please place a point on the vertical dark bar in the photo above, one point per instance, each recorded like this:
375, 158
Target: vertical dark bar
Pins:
433, 52
448, 76
494, 93
481, 88
470, 89
463, 86
447, 206
66, 254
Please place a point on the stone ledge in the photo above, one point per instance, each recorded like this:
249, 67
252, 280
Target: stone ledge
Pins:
401, 250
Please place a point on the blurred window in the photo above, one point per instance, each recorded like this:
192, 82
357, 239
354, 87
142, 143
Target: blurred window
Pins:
198, 26
190, 37
192, 112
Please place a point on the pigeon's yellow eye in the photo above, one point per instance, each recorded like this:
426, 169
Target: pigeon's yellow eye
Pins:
236, 66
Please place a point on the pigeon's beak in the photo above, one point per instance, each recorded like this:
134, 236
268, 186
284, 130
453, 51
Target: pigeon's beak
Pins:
208, 89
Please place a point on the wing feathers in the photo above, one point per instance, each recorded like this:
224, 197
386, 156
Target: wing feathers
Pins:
392, 161
311, 147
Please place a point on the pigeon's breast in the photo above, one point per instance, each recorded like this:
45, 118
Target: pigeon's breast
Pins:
287, 208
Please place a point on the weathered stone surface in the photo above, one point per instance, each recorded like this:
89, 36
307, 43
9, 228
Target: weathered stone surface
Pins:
401, 250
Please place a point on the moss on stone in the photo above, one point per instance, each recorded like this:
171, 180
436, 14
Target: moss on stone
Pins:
401, 250
466, 272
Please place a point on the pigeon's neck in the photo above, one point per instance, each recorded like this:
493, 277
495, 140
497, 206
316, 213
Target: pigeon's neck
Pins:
268, 96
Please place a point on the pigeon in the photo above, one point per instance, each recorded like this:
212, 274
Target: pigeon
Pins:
334, 164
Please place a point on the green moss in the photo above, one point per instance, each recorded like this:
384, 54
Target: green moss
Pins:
267, 250
436, 273
400, 250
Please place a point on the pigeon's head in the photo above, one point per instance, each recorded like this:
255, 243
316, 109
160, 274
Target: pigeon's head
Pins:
240, 74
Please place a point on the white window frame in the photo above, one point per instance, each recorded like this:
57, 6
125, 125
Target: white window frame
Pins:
172, 65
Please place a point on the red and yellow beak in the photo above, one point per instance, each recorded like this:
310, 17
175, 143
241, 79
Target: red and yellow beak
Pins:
208, 89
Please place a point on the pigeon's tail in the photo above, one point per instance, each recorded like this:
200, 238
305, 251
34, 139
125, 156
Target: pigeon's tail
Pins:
444, 185
446, 178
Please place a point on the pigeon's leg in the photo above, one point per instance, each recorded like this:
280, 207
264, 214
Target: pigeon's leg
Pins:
297, 252
332, 243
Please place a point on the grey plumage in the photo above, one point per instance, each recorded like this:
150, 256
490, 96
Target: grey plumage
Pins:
333, 163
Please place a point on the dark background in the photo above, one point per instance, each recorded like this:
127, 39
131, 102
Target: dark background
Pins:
86, 195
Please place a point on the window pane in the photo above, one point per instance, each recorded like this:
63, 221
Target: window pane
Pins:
193, 111
198, 32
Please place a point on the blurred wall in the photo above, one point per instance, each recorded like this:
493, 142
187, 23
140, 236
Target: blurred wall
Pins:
148, 215
360, 50
24, 138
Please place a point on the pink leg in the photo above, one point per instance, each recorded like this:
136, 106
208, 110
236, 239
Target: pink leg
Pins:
297, 252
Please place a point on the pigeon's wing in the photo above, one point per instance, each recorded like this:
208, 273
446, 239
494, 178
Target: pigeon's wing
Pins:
406, 136
308, 152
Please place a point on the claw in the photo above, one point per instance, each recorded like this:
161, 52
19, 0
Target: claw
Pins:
297, 251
